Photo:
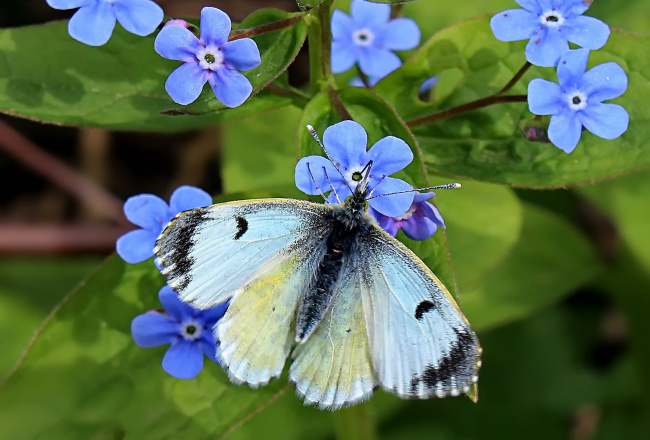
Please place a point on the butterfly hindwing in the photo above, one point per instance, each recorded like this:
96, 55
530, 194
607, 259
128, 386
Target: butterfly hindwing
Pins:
420, 342
333, 368
208, 254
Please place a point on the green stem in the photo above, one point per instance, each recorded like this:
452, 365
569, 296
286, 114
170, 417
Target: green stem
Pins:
465, 108
319, 36
236, 34
356, 423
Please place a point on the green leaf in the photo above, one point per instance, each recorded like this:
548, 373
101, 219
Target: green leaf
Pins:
625, 200
379, 120
84, 377
488, 144
483, 222
258, 153
550, 260
47, 76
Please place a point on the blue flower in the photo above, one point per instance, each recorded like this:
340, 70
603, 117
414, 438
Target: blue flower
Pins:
368, 37
346, 144
428, 84
151, 213
358, 82
577, 100
188, 330
420, 222
550, 25
210, 58
94, 22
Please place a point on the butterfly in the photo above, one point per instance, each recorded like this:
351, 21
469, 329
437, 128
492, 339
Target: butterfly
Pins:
352, 306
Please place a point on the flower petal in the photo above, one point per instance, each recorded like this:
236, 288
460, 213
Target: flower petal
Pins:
316, 169
367, 14
419, 228
603, 82
140, 17
388, 224
588, 32
208, 346
68, 4
399, 34
147, 211
342, 192
185, 84
394, 205
175, 308
607, 121
378, 62
342, 27
343, 57
564, 130
188, 197
389, 155
93, 24
514, 25
210, 316
530, 5
177, 43
429, 211
215, 26
231, 87
544, 97
153, 329
346, 143
571, 68
136, 246
546, 47
183, 360
242, 54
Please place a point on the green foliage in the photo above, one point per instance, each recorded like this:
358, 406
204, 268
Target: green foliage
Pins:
489, 144
47, 76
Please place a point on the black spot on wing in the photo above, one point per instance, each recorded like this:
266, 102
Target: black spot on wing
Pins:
175, 247
242, 227
422, 308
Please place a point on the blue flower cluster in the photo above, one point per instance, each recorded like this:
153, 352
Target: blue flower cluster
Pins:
550, 25
345, 143
368, 36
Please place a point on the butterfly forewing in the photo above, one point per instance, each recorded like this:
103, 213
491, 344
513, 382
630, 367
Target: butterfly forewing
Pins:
208, 254
421, 344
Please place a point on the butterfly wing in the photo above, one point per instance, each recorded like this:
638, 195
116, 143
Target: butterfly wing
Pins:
420, 342
333, 368
209, 254
261, 254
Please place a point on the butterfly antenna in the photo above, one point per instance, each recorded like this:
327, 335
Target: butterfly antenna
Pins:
313, 133
314, 180
331, 186
373, 190
445, 186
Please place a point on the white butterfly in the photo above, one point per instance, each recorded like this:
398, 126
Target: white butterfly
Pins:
351, 305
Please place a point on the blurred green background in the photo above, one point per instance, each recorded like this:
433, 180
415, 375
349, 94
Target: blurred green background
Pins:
565, 355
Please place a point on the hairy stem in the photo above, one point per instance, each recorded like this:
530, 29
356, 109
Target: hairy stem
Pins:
264, 28
319, 36
465, 108
514, 79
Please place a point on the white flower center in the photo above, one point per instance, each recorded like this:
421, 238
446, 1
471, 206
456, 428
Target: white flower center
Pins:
552, 18
363, 37
191, 330
408, 213
577, 101
210, 58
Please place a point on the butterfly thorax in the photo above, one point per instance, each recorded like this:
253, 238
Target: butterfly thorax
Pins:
348, 221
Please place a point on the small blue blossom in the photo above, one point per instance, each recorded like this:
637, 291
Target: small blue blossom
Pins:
188, 330
94, 22
151, 213
210, 58
577, 100
346, 144
420, 222
358, 82
428, 84
550, 25
368, 37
